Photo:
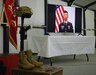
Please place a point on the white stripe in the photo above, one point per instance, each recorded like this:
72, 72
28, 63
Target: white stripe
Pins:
60, 15
62, 12
56, 26
57, 18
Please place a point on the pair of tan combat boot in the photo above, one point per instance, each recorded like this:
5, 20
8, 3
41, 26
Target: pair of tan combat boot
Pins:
27, 62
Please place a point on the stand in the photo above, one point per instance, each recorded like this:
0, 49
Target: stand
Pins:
23, 31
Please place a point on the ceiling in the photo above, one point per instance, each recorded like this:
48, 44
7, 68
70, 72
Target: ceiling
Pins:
90, 4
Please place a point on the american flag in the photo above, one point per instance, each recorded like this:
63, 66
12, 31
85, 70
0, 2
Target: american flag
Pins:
58, 17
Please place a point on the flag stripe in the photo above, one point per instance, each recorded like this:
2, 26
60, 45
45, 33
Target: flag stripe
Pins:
59, 17
59, 14
56, 24
61, 11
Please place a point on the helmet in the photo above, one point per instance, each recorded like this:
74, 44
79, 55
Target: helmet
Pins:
24, 11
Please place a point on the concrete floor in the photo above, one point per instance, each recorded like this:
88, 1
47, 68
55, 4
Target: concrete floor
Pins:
79, 66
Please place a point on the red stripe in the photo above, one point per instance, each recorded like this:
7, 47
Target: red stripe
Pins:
62, 8
56, 21
59, 17
61, 11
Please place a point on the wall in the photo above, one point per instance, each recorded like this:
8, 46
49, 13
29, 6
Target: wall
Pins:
0, 10
38, 14
89, 17
1, 30
38, 19
1, 39
89, 22
56, 2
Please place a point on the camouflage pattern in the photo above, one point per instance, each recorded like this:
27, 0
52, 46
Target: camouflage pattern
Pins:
23, 10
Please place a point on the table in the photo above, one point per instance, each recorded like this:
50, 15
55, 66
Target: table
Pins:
51, 46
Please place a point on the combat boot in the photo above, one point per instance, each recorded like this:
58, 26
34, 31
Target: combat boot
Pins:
23, 62
31, 60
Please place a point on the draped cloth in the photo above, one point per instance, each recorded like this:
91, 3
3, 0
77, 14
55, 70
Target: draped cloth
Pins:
12, 20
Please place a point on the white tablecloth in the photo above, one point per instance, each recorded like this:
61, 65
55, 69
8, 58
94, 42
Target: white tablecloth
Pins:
51, 46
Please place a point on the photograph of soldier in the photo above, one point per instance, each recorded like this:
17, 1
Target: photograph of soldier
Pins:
66, 26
